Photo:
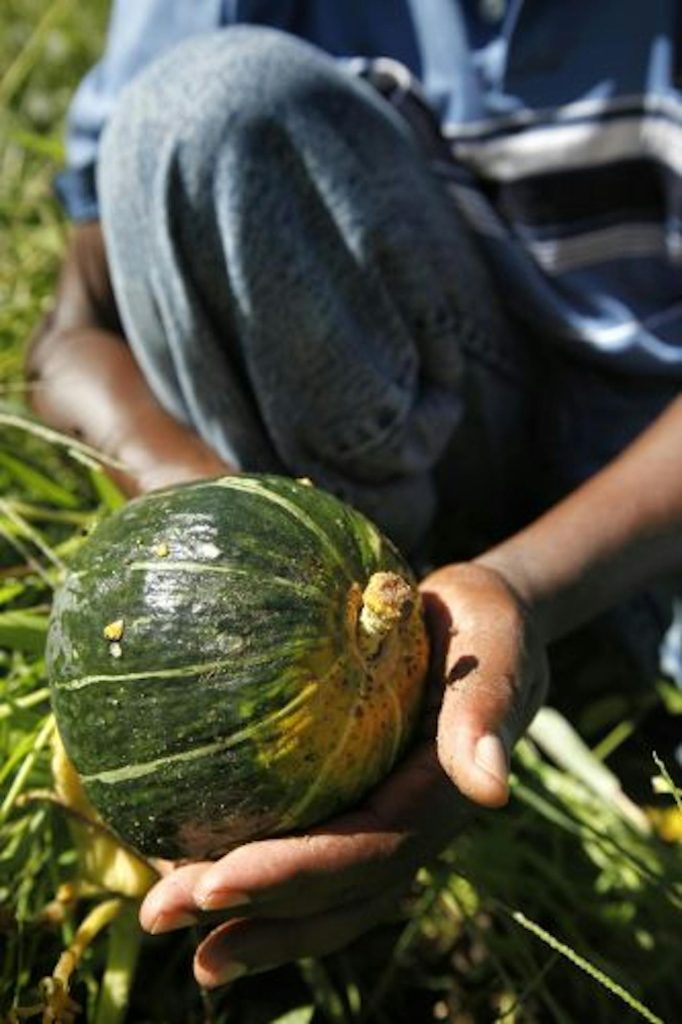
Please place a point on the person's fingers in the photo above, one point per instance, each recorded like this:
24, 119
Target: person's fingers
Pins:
170, 903
403, 822
289, 877
473, 737
282, 870
400, 823
494, 682
244, 946
487, 705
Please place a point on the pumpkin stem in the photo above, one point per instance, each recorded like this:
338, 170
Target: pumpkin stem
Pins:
387, 600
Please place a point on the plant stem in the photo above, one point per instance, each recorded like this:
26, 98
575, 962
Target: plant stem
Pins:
15, 789
74, 447
557, 738
588, 967
21, 703
23, 63
125, 939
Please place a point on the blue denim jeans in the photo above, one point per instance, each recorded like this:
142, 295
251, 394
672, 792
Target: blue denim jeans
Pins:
299, 287
283, 264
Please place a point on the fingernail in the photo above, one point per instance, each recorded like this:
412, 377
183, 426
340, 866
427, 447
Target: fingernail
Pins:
221, 899
171, 922
227, 973
491, 757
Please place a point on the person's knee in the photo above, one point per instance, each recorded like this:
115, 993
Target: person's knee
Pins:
232, 80
197, 111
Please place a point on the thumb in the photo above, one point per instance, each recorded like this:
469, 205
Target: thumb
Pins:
495, 668
475, 729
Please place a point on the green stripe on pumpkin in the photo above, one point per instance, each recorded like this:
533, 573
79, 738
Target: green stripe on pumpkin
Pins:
304, 589
137, 771
162, 673
250, 487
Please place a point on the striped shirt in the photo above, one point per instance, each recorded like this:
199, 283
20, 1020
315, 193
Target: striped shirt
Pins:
562, 125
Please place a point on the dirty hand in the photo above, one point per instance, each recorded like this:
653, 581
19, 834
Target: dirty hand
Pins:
307, 895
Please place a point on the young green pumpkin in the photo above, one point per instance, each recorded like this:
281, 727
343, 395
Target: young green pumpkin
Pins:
231, 659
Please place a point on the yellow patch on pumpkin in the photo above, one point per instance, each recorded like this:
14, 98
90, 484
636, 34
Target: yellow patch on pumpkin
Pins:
113, 631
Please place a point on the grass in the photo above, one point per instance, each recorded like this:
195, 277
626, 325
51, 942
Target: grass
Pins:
561, 908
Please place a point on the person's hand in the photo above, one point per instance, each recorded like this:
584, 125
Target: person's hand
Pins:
84, 380
282, 899
495, 675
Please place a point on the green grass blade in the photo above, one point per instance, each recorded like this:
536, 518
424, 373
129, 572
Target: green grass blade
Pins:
589, 968
22, 703
34, 749
23, 631
666, 783
56, 437
25, 60
38, 483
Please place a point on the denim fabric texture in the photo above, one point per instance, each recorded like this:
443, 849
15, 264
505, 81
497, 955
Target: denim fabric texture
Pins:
293, 280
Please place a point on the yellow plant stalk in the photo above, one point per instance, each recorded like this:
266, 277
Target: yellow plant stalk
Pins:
107, 867
104, 859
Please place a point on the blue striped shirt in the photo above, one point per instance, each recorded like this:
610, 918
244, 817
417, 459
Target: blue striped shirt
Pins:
561, 121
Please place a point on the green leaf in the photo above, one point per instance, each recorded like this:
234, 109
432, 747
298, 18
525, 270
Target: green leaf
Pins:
301, 1015
23, 631
671, 696
37, 483
110, 495
10, 590
50, 146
